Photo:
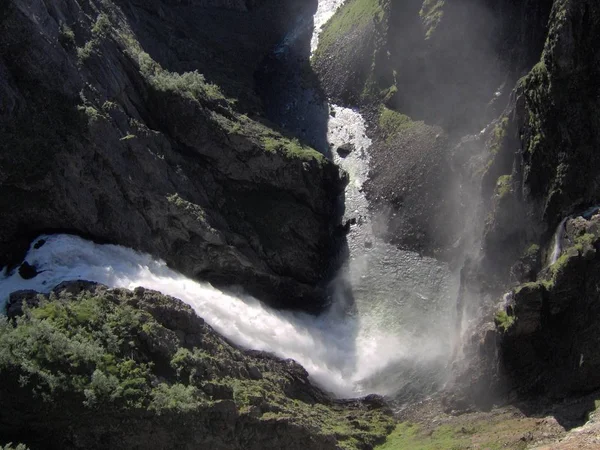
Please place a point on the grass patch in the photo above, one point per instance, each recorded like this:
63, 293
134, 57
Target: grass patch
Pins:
352, 15
276, 143
392, 122
462, 434
410, 436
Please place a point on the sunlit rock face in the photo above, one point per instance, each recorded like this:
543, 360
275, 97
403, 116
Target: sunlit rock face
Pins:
117, 127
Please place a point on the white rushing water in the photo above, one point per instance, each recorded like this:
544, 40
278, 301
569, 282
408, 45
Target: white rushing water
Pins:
325, 11
341, 354
391, 325
558, 236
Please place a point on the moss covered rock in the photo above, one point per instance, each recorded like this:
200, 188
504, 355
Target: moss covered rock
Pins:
91, 367
551, 343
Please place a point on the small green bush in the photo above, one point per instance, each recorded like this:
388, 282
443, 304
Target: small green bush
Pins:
10, 446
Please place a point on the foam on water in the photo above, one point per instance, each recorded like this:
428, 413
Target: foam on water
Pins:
340, 353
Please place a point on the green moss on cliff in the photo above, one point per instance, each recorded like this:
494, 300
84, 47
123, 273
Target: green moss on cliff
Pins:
392, 122
431, 14
275, 142
503, 320
531, 251
504, 186
535, 86
499, 135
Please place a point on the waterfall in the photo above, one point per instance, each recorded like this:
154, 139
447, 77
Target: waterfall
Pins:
342, 353
396, 336
558, 235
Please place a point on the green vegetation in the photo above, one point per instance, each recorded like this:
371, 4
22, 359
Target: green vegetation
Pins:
499, 135
585, 241
66, 36
91, 113
352, 15
194, 86
431, 14
535, 86
392, 122
559, 265
533, 286
274, 142
192, 210
115, 350
10, 446
177, 397
100, 30
388, 94
492, 434
532, 251
504, 186
503, 320
78, 346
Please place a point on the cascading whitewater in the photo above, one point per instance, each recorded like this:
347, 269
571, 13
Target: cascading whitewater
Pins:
390, 328
341, 353
325, 11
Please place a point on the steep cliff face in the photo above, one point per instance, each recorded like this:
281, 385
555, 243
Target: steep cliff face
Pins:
89, 367
486, 136
137, 123
549, 339
427, 74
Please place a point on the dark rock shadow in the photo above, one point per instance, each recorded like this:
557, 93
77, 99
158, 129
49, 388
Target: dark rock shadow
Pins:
570, 413
290, 90
294, 99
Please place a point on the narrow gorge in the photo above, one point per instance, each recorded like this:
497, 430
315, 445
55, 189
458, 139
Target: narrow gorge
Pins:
328, 224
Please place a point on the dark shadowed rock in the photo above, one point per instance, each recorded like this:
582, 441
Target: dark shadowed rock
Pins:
27, 271
116, 127
14, 306
345, 149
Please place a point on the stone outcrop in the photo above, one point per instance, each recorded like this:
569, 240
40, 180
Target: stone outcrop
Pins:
137, 123
92, 368
550, 326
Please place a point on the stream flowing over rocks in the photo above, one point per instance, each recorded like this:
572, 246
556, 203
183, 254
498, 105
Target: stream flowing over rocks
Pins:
389, 329
299, 224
